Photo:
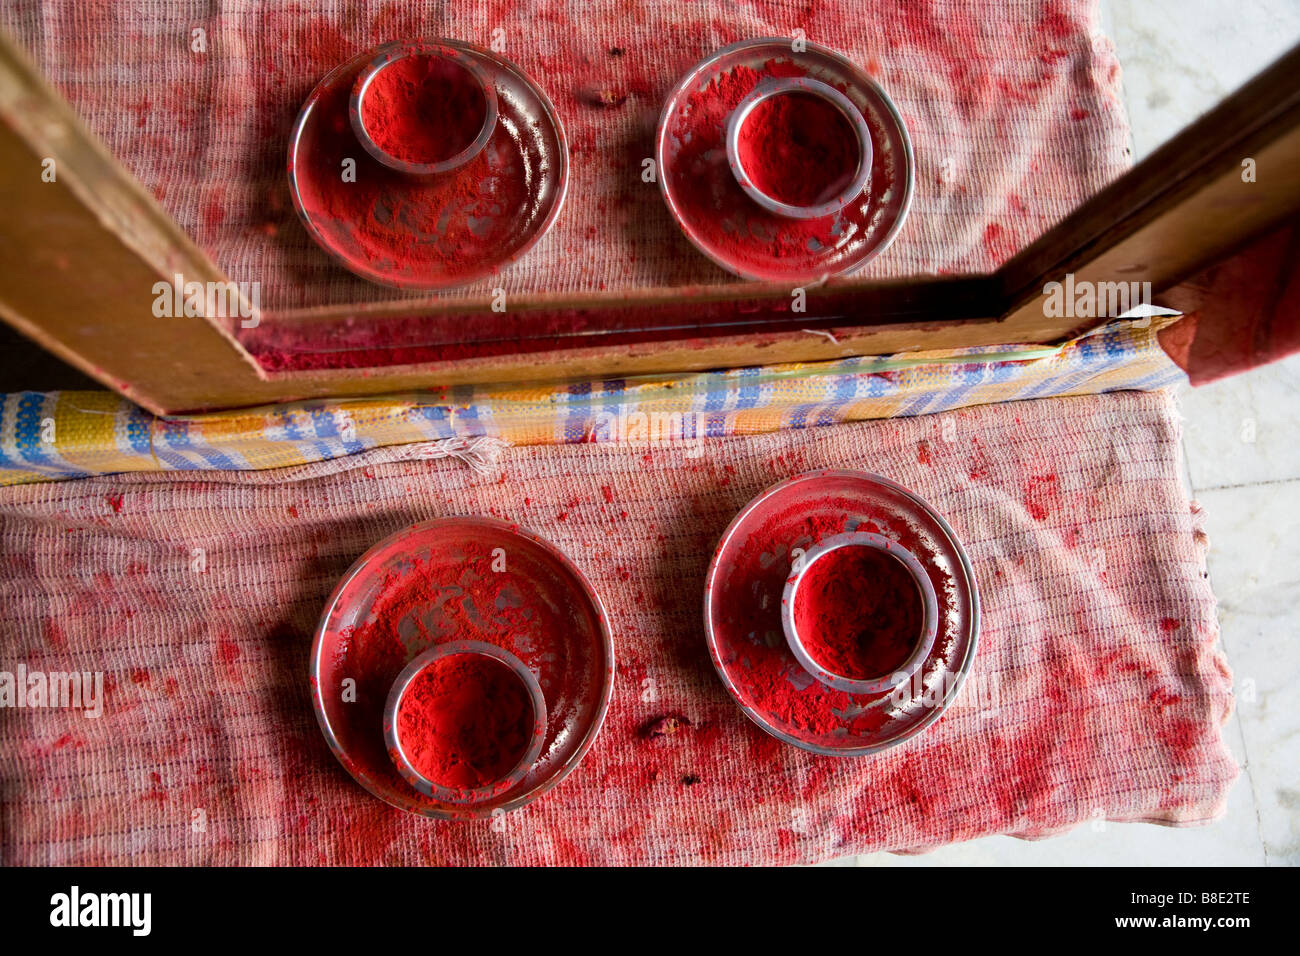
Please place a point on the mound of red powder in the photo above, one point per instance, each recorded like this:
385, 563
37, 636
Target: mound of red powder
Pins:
465, 721
798, 149
424, 109
858, 612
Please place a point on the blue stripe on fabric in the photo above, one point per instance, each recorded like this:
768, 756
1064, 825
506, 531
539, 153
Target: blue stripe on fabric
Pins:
437, 415
27, 431
715, 391
137, 428
174, 440
576, 414
748, 396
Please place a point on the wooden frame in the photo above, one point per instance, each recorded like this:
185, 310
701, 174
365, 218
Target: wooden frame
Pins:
92, 239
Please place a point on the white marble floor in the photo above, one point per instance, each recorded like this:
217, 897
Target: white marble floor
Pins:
1180, 57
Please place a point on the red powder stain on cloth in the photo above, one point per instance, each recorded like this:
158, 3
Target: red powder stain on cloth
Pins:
465, 721
979, 467
157, 792
858, 612
1041, 496
424, 109
67, 740
214, 211
798, 149
227, 654
365, 834
54, 635
1000, 242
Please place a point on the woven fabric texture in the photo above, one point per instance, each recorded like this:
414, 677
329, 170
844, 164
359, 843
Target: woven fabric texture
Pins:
1013, 109
53, 435
1098, 690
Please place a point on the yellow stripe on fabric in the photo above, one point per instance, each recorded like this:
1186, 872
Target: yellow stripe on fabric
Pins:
98, 432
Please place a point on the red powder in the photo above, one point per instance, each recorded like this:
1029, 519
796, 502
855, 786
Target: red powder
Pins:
798, 149
750, 628
465, 721
424, 109
859, 612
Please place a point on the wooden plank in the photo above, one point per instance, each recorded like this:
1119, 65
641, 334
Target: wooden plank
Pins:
1185, 206
84, 252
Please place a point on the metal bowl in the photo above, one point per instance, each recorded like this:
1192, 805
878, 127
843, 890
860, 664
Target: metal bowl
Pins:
383, 58
567, 643
393, 737
782, 87
742, 611
701, 191
527, 146
876, 683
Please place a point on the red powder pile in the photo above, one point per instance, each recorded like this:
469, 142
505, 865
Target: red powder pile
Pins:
424, 109
798, 149
858, 612
749, 630
465, 721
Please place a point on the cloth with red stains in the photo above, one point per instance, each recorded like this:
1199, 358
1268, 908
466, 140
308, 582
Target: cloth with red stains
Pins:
1098, 690
1013, 109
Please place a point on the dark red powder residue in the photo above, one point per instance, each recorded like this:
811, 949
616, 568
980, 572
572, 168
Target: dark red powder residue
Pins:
465, 721
723, 219
859, 612
359, 341
424, 109
798, 149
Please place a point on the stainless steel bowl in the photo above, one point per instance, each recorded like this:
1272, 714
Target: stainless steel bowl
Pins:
785, 86
858, 232
384, 58
877, 683
393, 737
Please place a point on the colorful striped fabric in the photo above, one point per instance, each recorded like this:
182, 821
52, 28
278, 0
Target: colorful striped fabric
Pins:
56, 435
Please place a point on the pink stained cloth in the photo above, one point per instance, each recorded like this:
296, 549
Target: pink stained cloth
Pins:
1098, 690
1013, 109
